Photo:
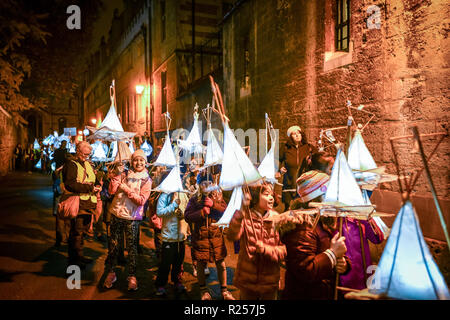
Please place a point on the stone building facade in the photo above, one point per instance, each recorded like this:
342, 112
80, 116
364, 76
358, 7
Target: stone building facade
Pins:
281, 57
152, 43
122, 58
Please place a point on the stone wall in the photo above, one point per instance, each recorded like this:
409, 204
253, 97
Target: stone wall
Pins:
399, 72
11, 133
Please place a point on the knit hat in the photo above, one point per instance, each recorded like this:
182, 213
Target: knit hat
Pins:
312, 184
139, 153
293, 129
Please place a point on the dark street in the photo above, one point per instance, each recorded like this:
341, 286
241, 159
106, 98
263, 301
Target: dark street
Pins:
32, 268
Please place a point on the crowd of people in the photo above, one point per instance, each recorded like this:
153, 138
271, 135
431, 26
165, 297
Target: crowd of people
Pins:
267, 232
27, 158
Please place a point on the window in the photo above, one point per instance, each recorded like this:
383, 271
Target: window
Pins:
163, 20
163, 92
342, 33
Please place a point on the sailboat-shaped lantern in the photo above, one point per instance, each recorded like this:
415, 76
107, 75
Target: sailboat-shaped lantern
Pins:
406, 269
267, 166
110, 129
166, 157
214, 154
193, 143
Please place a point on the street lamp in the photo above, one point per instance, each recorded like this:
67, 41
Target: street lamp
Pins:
94, 121
140, 88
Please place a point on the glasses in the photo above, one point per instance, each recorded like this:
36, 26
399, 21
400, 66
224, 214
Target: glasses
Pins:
85, 154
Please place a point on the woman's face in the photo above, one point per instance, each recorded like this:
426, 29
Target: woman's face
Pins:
138, 164
266, 199
296, 136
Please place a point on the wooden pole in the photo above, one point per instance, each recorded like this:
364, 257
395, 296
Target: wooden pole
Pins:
336, 284
430, 182
363, 251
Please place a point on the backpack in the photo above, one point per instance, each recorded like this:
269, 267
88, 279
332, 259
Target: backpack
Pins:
154, 221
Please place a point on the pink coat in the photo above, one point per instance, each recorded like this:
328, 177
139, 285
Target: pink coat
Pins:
129, 204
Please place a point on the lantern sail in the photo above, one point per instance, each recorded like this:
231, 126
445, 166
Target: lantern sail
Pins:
172, 183
147, 148
111, 120
406, 269
131, 146
49, 140
123, 152
98, 152
267, 166
36, 145
166, 156
237, 169
72, 148
342, 190
234, 204
38, 165
214, 154
111, 129
359, 157
366, 172
378, 221
193, 143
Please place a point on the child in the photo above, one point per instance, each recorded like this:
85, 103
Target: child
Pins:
131, 192
314, 253
208, 243
258, 268
171, 208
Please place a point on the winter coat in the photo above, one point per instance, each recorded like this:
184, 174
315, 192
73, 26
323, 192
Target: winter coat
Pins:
309, 271
350, 230
208, 243
130, 205
79, 178
256, 272
294, 158
173, 227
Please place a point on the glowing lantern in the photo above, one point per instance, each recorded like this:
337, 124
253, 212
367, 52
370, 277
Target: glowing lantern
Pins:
406, 269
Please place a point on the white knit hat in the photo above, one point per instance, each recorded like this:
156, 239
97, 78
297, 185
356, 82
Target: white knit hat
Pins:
139, 153
293, 129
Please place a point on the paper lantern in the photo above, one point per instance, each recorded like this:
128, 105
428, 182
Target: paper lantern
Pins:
237, 169
406, 269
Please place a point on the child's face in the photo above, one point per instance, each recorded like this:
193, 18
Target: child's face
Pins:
266, 199
138, 164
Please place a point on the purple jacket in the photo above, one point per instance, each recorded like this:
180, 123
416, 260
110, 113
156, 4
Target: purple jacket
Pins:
355, 278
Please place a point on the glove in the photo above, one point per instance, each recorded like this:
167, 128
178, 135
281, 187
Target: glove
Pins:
206, 211
208, 202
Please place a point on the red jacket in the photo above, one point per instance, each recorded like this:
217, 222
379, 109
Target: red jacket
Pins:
309, 271
257, 272
208, 243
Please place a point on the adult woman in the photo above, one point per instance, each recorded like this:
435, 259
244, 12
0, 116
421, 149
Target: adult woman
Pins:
131, 192
294, 158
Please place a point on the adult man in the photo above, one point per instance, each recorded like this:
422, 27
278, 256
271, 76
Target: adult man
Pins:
79, 178
62, 226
